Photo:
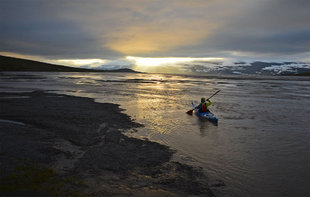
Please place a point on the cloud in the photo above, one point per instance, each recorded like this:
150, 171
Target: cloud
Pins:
148, 39
41, 28
278, 27
109, 29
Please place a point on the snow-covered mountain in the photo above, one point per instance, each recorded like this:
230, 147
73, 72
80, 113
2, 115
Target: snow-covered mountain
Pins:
257, 67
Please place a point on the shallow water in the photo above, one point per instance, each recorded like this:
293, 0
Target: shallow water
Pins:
261, 146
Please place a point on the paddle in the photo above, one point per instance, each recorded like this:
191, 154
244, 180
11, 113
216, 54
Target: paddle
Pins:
190, 112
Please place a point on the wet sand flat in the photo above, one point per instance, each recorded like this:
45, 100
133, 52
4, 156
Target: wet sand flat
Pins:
77, 137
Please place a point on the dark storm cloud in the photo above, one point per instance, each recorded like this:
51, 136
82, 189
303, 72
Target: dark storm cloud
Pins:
110, 29
36, 27
290, 42
49, 38
279, 27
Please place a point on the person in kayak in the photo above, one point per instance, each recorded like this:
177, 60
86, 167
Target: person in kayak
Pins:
203, 106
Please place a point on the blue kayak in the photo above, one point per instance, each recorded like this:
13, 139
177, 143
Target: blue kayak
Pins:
206, 115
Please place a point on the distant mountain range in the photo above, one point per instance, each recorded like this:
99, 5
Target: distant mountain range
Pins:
17, 64
256, 68
236, 68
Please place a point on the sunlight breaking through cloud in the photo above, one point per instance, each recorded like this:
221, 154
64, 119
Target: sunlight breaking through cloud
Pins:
167, 64
82, 62
151, 38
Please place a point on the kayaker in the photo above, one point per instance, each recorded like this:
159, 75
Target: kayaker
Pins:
203, 106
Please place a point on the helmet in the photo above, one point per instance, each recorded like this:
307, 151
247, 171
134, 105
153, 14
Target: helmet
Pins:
203, 100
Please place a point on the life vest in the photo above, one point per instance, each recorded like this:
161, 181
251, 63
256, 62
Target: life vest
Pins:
203, 107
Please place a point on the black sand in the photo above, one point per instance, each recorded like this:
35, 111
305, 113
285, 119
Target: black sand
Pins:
79, 138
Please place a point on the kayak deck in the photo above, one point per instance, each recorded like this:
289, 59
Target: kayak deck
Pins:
206, 115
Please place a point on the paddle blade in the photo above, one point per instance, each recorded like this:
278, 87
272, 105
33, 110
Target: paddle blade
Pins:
190, 112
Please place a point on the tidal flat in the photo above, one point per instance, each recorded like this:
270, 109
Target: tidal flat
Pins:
60, 145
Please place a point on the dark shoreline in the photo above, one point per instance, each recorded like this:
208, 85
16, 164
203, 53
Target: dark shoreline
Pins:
12, 64
79, 138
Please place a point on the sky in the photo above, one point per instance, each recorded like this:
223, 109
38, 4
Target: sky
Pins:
152, 33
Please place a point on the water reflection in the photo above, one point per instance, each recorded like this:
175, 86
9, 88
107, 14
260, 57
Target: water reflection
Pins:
256, 144
153, 103
204, 126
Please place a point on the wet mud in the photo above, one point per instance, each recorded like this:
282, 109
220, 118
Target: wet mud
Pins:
80, 138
